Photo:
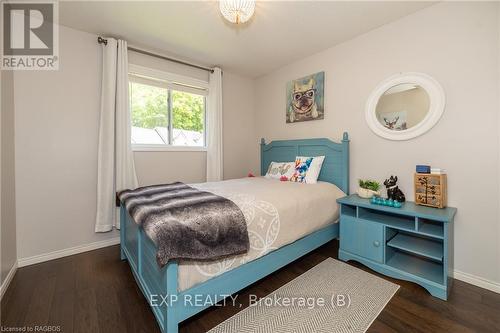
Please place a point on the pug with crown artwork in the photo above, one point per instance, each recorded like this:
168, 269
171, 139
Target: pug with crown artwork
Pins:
305, 98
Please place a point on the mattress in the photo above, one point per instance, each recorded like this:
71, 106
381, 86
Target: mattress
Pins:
277, 213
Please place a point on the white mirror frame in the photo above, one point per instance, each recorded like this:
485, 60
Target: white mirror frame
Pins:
436, 105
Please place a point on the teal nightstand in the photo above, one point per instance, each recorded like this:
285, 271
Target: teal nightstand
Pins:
413, 243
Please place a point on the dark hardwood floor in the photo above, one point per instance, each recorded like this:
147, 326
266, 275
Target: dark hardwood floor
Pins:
96, 292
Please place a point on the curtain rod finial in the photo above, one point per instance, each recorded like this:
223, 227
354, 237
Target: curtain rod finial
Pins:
101, 40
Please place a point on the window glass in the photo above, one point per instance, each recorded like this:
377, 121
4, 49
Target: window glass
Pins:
188, 118
149, 114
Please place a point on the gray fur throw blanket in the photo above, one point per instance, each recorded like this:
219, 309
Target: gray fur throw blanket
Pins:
186, 223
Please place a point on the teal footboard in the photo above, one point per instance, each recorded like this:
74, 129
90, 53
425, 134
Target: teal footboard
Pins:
159, 285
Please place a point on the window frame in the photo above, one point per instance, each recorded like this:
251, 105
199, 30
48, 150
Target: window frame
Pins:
170, 81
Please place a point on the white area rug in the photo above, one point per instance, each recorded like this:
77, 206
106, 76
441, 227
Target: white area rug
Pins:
330, 297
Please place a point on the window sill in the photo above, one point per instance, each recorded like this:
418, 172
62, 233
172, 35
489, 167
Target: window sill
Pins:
161, 148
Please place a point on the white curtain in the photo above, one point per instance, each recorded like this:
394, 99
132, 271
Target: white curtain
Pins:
116, 170
214, 127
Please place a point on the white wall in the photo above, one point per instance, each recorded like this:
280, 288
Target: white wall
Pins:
240, 147
498, 149
457, 44
57, 117
57, 114
7, 193
2, 79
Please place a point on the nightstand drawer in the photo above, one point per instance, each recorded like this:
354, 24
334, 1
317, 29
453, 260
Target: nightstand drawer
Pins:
365, 239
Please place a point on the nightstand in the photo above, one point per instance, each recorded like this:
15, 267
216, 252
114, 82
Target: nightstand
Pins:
413, 243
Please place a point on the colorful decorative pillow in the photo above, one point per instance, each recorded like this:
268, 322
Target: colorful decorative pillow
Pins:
277, 170
302, 165
314, 169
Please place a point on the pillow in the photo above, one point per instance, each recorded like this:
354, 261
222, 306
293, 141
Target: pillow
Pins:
277, 170
314, 169
302, 165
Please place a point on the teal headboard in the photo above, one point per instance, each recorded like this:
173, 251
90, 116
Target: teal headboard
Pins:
335, 168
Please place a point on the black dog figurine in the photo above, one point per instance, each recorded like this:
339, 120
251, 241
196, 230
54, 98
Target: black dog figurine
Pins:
393, 191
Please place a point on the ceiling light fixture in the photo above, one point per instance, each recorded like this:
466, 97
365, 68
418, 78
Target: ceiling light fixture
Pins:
237, 11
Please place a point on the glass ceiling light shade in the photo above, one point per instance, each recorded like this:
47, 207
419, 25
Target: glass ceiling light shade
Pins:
237, 11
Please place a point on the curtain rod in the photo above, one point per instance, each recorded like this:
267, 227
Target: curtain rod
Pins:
101, 40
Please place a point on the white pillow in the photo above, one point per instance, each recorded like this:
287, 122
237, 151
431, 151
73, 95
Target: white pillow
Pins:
314, 169
277, 170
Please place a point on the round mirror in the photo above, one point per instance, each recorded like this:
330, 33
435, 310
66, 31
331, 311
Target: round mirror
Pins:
405, 106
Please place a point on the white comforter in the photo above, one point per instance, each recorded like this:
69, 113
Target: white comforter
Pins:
277, 213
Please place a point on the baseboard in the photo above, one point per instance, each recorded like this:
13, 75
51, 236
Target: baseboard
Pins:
8, 279
465, 277
67, 252
477, 281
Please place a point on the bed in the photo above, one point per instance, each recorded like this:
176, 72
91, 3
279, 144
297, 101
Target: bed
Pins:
180, 290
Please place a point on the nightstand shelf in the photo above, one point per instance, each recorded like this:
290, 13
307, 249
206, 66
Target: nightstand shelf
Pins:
397, 221
418, 245
425, 269
413, 243
430, 228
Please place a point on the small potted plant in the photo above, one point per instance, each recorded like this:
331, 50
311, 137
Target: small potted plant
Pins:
368, 188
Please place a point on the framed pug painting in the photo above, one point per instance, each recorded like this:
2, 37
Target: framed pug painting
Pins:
305, 98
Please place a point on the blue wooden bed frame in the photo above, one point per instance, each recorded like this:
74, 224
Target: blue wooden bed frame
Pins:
140, 251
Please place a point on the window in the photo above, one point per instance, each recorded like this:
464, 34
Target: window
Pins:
166, 114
